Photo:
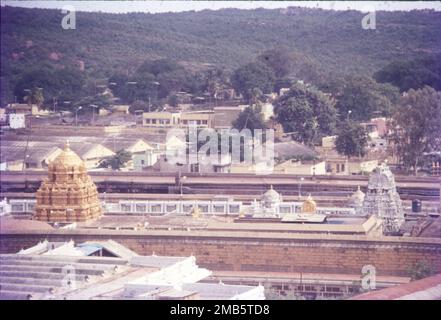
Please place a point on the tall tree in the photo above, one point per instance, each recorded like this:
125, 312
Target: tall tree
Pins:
35, 96
250, 118
417, 126
306, 112
363, 98
279, 60
253, 75
351, 139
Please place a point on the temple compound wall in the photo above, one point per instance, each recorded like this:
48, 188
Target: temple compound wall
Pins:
260, 251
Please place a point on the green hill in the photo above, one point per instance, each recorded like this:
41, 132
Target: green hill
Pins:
334, 41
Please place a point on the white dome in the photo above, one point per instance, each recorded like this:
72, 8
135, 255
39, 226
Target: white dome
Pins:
271, 196
357, 198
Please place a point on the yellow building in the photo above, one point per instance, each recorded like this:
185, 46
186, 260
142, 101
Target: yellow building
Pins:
166, 119
200, 119
160, 119
68, 194
307, 168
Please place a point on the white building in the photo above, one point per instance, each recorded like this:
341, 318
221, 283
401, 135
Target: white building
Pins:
111, 272
17, 120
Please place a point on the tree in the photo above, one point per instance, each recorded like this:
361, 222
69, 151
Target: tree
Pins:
306, 112
279, 60
250, 118
351, 139
156, 67
117, 161
417, 126
413, 74
250, 76
139, 105
65, 84
365, 98
35, 96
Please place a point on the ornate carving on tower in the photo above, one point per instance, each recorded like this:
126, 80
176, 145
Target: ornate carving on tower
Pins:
68, 194
383, 200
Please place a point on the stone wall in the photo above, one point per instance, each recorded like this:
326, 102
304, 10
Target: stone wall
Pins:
260, 252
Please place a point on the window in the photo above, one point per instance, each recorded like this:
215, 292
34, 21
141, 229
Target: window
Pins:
285, 209
17, 208
31, 207
142, 162
156, 208
141, 208
234, 208
219, 208
126, 207
171, 208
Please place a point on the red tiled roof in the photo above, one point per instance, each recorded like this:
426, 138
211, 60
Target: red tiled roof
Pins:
9, 224
400, 291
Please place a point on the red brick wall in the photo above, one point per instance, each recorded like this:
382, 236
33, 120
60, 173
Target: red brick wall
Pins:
390, 256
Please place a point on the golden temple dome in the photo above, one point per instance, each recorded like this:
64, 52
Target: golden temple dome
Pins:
309, 205
66, 159
195, 211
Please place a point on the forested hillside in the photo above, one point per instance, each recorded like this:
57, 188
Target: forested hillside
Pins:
328, 41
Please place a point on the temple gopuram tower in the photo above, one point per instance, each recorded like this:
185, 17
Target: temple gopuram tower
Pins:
383, 200
68, 194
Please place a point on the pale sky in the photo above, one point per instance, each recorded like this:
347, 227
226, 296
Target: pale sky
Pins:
178, 6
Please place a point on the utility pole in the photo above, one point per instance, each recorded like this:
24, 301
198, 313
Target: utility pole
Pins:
76, 115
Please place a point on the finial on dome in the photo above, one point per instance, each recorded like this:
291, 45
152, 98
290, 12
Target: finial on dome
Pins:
67, 145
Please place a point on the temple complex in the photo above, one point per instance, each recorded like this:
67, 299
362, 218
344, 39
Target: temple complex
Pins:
68, 194
383, 200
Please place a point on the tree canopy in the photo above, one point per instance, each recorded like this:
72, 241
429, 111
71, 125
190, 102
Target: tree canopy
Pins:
306, 112
417, 124
351, 139
64, 84
413, 74
116, 162
279, 60
363, 98
250, 118
252, 76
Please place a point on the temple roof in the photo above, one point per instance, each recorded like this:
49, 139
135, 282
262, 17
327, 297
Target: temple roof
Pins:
67, 158
271, 196
309, 205
358, 195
